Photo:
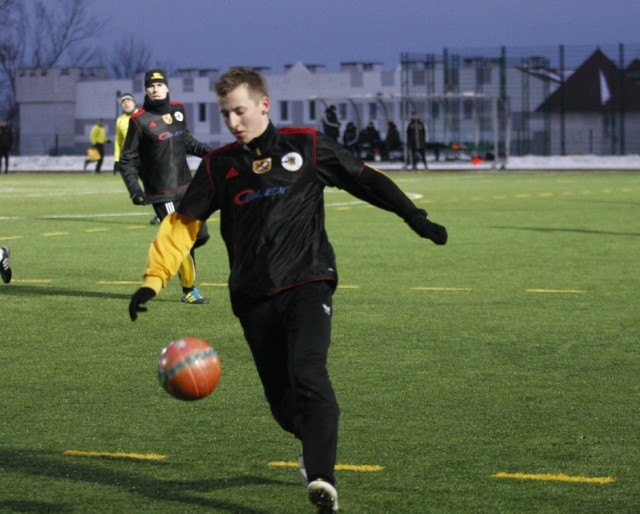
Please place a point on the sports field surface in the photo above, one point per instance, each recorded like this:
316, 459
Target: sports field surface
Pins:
497, 374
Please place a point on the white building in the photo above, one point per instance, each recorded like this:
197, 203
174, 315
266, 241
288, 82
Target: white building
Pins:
58, 107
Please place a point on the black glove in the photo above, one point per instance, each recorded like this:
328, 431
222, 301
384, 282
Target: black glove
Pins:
140, 297
425, 228
138, 198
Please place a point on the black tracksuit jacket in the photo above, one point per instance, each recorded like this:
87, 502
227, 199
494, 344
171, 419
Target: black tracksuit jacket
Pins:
155, 152
270, 194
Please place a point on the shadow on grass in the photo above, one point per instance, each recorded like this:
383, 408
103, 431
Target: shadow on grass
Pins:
15, 289
106, 219
28, 506
574, 231
43, 464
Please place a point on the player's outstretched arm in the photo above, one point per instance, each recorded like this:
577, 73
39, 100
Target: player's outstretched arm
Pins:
139, 298
379, 190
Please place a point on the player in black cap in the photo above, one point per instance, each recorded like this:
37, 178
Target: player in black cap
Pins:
155, 154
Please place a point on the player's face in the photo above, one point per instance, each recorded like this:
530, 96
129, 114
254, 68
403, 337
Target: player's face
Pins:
157, 91
245, 114
128, 105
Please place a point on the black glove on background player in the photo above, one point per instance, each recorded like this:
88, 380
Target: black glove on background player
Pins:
139, 198
427, 229
140, 297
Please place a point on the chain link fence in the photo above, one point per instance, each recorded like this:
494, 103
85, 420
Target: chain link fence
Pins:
553, 100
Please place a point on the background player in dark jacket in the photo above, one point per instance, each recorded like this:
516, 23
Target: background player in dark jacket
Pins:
155, 153
269, 188
330, 123
416, 142
6, 144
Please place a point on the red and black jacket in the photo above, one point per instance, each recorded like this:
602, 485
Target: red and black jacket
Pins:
270, 195
155, 152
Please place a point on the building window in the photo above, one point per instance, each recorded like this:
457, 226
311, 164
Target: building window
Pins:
202, 112
284, 111
469, 109
435, 110
388, 78
342, 110
312, 110
187, 85
419, 78
483, 76
373, 111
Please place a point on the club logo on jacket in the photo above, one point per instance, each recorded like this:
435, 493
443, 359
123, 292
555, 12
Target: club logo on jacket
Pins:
178, 116
292, 161
167, 119
262, 166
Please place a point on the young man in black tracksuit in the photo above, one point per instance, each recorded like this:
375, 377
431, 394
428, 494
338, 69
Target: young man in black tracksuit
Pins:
155, 153
269, 187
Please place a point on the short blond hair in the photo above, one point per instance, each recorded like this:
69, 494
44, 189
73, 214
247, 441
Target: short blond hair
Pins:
254, 80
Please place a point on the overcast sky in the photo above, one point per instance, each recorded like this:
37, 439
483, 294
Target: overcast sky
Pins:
224, 33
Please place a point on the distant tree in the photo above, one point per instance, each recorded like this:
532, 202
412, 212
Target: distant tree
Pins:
42, 35
129, 57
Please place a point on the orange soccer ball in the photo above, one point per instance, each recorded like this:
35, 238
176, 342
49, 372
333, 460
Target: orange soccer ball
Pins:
189, 368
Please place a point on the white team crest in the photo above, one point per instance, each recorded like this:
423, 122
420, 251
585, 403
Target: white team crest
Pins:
178, 116
292, 161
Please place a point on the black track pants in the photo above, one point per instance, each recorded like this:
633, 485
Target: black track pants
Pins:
289, 336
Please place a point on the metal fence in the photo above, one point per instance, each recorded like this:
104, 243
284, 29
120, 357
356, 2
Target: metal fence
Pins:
555, 100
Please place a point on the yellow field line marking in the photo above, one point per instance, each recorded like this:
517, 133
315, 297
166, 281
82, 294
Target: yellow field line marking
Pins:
116, 455
454, 289
575, 291
213, 284
52, 234
343, 208
366, 468
11, 238
556, 478
33, 280
119, 282
91, 230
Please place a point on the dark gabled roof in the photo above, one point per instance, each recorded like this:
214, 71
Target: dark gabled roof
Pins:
633, 71
597, 85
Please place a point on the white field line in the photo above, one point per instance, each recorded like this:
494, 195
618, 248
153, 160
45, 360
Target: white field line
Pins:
413, 196
19, 192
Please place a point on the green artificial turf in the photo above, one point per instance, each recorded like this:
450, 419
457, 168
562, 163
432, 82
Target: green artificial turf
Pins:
513, 349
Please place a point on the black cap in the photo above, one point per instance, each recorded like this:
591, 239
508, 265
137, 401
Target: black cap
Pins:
153, 76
